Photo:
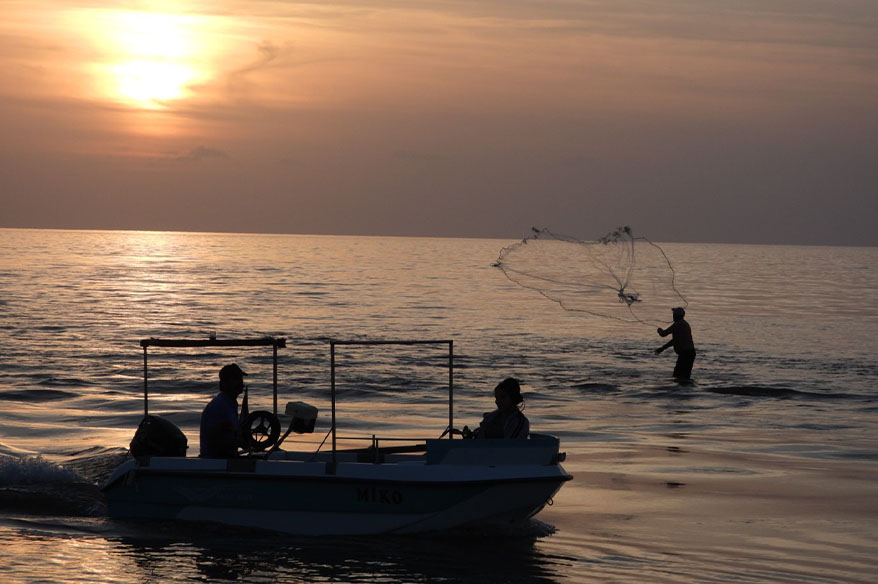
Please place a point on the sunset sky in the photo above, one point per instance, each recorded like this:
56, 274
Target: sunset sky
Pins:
690, 120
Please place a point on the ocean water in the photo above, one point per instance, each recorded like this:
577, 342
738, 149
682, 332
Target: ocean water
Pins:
765, 469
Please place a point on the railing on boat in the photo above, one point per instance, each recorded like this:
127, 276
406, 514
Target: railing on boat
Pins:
334, 343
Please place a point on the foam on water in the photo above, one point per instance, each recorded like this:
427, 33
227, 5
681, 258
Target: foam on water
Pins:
31, 470
34, 486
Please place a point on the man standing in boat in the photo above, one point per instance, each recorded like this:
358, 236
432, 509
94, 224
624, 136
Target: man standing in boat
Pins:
220, 429
681, 340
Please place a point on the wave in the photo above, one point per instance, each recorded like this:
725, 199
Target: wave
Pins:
775, 392
36, 395
13, 451
597, 387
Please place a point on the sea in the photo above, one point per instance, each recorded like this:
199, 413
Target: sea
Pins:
763, 469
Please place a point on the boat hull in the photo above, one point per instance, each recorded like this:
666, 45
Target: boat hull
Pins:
321, 498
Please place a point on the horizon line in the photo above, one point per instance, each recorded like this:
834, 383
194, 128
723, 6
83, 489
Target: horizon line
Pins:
402, 236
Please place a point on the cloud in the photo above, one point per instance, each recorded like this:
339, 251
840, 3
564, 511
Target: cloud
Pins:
202, 152
238, 81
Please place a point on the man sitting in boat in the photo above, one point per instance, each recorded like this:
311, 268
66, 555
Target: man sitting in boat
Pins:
506, 421
220, 431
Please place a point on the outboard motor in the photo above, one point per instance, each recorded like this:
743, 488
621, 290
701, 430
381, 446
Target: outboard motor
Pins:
157, 436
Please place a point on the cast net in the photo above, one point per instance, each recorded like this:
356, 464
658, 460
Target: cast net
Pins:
617, 276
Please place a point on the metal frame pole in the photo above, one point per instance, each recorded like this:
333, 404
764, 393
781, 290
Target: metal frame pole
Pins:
145, 385
332, 394
450, 389
275, 378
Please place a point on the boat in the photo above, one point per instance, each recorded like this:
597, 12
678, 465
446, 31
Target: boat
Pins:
390, 486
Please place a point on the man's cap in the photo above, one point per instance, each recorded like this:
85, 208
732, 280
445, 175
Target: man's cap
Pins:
678, 311
231, 371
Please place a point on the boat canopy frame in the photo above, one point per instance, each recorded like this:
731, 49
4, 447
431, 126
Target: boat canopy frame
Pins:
281, 342
273, 342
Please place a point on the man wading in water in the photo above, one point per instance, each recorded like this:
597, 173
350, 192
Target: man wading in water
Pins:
681, 340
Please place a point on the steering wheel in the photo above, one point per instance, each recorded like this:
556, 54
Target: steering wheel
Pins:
262, 428
466, 433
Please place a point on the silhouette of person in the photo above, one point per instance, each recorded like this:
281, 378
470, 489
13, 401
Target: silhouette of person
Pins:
681, 340
220, 429
506, 421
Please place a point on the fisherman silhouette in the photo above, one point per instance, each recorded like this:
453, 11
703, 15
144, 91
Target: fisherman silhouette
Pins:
220, 429
681, 340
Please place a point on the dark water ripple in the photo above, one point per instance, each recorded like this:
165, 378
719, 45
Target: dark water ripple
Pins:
35, 395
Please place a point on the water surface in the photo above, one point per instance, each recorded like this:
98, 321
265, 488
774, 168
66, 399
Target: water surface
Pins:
764, 470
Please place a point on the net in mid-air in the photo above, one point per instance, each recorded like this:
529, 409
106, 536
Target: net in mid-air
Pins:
618, 276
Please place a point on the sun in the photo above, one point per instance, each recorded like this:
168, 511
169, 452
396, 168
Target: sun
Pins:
152, 83
155, 57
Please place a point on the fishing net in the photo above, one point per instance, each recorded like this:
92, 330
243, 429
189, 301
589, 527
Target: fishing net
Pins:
617, 276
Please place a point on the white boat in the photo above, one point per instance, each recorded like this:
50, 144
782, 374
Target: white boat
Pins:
414, 486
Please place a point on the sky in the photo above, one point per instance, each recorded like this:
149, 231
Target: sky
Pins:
747, 121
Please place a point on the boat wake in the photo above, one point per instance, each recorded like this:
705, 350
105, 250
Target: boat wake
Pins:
34, 486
